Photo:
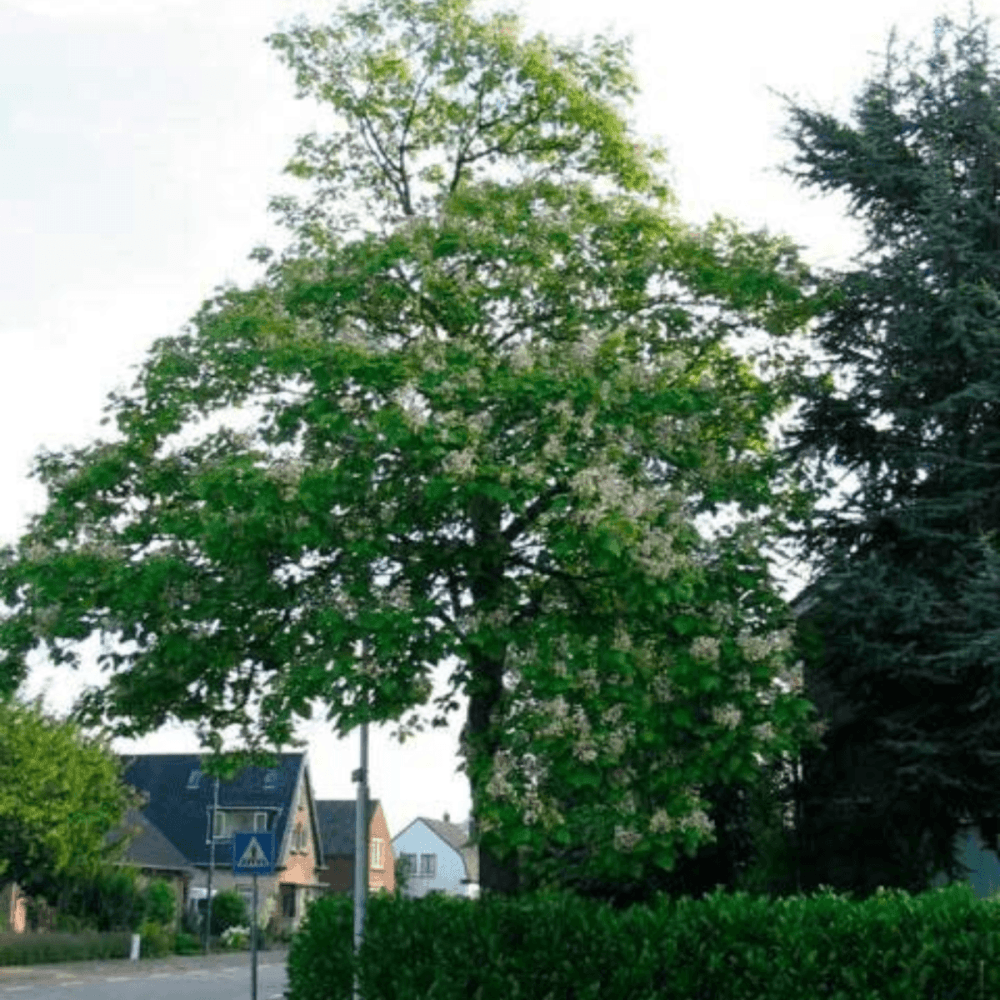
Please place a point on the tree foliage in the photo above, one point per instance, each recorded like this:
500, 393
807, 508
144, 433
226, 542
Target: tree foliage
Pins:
903, 430
61, 793
484, 412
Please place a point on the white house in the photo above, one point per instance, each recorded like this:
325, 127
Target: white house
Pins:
438, 857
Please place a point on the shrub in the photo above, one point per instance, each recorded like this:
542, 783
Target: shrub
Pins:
160, 903
229, 909
186, 944
156, 941
235, 938
31, 949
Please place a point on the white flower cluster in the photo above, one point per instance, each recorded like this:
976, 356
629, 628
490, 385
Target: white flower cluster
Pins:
705, 649
663, 689
727, 716
656, 554
757, 648
764, 732
698, 820
460, 463
790, 679
625, 838
287, 473
660, 822
413, 406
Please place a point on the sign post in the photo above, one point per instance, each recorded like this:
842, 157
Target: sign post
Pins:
253, 854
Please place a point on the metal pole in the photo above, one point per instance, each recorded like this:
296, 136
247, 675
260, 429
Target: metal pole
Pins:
361, 850
211, 866
253, 944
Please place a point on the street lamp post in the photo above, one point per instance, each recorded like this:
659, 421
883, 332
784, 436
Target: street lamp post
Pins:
360, 851
211, 866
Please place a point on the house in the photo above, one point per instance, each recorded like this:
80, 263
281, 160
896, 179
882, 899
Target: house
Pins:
155, 856
337, 832
179, 825
438, 858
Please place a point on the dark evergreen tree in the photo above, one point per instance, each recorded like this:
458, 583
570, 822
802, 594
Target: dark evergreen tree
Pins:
903, 434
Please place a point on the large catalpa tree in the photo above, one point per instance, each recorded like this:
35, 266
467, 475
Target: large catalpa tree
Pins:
473, 416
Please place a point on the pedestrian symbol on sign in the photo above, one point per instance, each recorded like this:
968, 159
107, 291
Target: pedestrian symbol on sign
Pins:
254, 856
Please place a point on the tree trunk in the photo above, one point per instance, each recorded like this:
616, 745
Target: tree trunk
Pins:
486, 579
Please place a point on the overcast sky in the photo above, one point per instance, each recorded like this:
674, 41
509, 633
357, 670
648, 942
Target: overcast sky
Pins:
140, 141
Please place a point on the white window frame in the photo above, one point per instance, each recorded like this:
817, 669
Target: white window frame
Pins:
194, 780
222, 821
260, 822
428, 871
376, 853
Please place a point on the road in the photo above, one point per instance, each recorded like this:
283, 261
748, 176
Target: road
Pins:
215, 977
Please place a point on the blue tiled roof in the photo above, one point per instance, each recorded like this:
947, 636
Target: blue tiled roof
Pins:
181, 813
336, 824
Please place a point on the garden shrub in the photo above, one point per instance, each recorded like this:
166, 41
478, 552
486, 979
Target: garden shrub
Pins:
229, 909
160, 903
33, 949
155, 940
186, 944
940, 945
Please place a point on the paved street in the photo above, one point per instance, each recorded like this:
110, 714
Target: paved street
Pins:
217, 977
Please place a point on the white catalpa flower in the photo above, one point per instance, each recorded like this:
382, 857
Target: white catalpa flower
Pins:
727, 716
660, 822
626, 839
705, 649
698, 820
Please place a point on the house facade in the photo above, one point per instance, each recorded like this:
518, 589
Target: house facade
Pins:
181, 810
337, 831
438, 858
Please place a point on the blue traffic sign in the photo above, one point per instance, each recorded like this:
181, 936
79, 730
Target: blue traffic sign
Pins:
253, 853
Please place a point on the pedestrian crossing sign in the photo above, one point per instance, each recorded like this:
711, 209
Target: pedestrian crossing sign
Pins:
253, 853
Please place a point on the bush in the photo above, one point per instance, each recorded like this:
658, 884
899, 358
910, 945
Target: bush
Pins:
229, 909
936, 946
31, 949
109, 901
235, 938
156, 941
186, 944
160, 903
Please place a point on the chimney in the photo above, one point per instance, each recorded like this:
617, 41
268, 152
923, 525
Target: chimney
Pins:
447, 819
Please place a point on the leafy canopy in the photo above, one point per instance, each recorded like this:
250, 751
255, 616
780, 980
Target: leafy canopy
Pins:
478, 415
61, 793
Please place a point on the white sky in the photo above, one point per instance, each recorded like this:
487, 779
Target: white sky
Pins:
140, 141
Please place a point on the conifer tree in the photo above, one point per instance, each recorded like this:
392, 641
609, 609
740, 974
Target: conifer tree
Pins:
903, 435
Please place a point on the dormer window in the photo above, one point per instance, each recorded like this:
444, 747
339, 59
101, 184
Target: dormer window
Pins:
270, 779
194, 780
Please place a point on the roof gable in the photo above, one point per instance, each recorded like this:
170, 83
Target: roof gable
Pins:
455, 837
181, 813
336, 819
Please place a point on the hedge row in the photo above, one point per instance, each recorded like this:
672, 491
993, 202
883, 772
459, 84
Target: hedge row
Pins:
31, 949
941, 945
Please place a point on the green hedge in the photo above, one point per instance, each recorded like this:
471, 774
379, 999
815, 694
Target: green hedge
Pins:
31, 949
942, 945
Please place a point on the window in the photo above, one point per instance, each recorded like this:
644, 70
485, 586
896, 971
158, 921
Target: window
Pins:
300, 840
428, 864
288, 901
376, 852
270, 779
409, 863
230, 821
194, 780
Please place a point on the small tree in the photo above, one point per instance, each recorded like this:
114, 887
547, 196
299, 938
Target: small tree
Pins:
61, 794
229, 909
401, 868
